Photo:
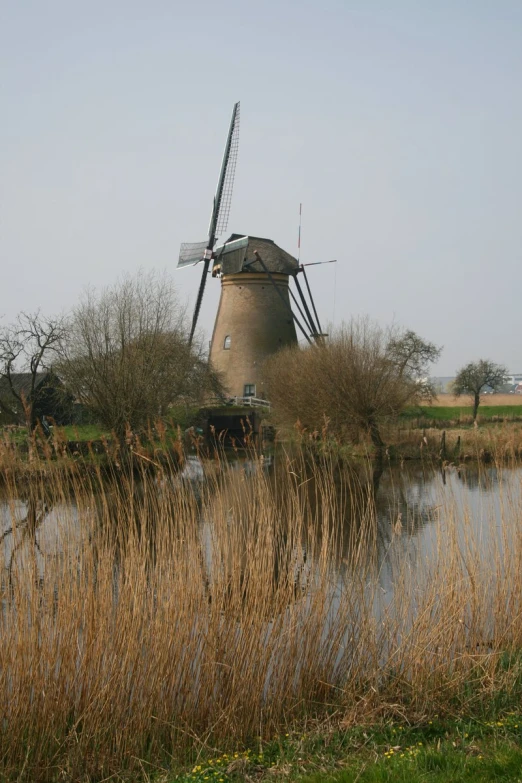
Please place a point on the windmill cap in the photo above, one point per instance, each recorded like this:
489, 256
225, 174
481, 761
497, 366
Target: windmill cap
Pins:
243, 258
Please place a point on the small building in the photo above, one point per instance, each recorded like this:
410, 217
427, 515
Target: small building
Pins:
48, 398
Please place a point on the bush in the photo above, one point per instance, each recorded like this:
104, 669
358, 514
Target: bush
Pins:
361, 377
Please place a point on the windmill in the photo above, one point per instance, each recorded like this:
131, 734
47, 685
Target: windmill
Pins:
255, 317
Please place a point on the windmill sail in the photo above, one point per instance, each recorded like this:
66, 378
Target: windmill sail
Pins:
204, 251
229, 247
191, 253
223, 199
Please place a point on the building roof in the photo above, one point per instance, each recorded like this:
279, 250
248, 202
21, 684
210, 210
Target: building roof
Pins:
243, 259
22, 383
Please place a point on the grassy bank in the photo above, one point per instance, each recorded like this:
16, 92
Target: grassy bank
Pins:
421, 440
441, 750
498, 442
81, 433
86, 449
415, 434
149, 623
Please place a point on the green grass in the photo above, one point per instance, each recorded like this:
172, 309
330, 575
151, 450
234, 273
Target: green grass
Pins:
436, 751
503, 411
485, 412
83, 432
80, 432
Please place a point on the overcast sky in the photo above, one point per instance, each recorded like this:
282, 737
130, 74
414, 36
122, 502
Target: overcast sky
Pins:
397, 124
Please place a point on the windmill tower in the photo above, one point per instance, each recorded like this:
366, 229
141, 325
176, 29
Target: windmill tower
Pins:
255, 317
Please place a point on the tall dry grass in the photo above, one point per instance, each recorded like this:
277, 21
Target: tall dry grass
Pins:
143, 618
499, 442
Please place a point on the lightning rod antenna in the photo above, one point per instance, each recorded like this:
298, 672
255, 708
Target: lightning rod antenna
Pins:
299, 235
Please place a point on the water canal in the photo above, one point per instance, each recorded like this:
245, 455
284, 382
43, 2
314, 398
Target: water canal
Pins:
411, 506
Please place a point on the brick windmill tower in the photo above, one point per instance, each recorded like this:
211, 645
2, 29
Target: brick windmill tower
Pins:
255, 316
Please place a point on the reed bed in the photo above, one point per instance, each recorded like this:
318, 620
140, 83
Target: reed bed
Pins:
421, 439
144, 618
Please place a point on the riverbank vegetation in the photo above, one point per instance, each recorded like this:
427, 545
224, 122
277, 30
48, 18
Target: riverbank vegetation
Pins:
147, 623
424, 434
72, 450
442, 750
354, 383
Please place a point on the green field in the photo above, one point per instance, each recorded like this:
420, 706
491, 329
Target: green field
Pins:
463, 412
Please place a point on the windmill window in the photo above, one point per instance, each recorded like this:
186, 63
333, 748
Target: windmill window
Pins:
226, 344
249, 390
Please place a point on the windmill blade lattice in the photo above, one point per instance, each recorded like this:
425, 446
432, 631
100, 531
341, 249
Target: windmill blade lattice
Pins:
224, 193
192, 253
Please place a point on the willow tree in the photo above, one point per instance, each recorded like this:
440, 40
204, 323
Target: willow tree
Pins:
357, 380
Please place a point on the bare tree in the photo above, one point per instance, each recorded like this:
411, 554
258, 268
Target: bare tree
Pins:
127, 357
475, 376
412, 356
28, 346
361, 377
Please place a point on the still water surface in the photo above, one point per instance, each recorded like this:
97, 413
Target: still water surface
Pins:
413, 503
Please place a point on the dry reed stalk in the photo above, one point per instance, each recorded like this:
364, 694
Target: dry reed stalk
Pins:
499, 442
164, 613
